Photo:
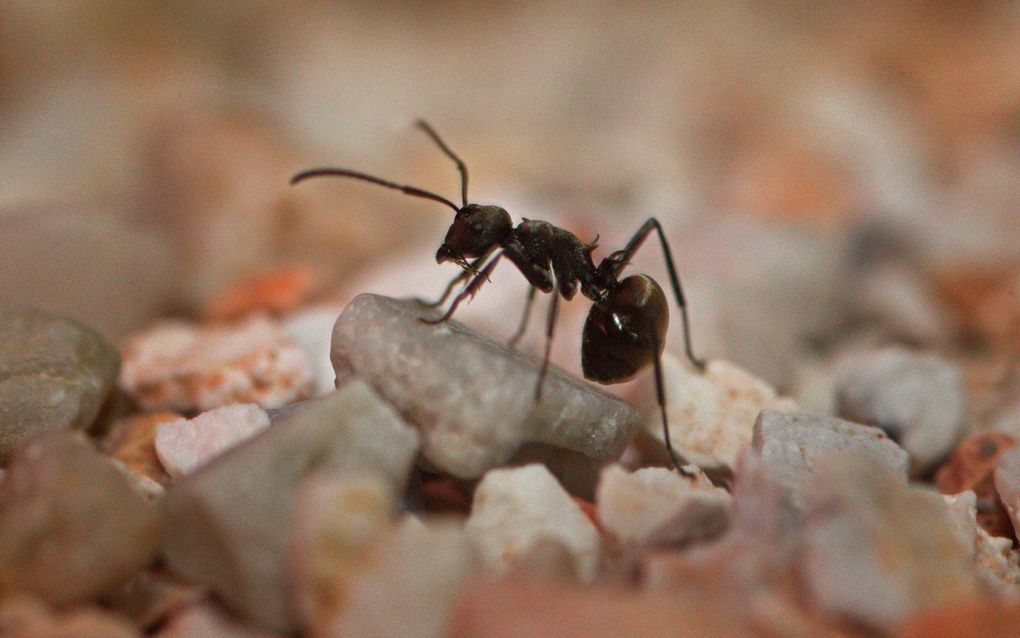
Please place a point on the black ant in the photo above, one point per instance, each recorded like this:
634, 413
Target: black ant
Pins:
626, 327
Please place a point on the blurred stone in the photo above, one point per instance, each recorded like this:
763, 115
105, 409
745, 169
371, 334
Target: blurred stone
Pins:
152, 596
340, 522
877, 551
97, 267
276, 291
132, 441
711, 414
498, 609
795, 447
1007, 484
186, 444
26, 617
229, 523
985, 298
515, 508
71, 526
996, 560
54, 373
312, 329
185, 367
979, 618
472, 399
917, 398
412, 589
897, 299
658, 506
972, 467
207, 621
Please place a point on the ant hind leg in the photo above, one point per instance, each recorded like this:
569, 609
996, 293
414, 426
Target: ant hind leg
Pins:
660, 391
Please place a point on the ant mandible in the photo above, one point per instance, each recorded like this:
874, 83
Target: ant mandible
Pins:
626, 327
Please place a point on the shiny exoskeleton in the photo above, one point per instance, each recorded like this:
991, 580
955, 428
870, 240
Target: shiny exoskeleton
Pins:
626, 327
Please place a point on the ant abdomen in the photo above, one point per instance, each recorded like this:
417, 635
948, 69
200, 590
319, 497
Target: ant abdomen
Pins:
624, 334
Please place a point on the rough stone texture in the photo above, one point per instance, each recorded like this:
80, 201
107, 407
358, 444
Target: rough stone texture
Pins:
26, 617
412, 589
312, 329
711, 414
472, 398
658, 506
206, 621
917, 398
54, 373
794, 447
229, 523
186, 444
515, 508
876, 550
996, 560
71, 526
1007, 484
972, 467
186, 367
132, 441
340, 522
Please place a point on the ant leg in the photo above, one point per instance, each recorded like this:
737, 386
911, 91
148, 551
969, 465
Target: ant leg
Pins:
628, 252
524, 320
554, 306
446, 293
471, 269
660, 391
469, 290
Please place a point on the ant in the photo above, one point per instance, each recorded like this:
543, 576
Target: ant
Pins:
626, 326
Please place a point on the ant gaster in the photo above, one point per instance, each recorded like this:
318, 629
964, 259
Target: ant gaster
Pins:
626, 327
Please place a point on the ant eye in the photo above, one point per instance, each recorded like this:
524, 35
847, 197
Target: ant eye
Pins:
478, 228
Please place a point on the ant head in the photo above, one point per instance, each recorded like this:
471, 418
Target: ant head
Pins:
475, 231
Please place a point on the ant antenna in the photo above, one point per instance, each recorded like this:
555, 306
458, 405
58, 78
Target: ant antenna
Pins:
461, 166
343, 172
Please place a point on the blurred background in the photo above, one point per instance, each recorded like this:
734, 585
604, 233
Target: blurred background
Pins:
830, 174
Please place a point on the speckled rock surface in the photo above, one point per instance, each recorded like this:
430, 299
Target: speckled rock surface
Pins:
711, 413
473, 399
514, 509
183, 445
54, 373
187, 367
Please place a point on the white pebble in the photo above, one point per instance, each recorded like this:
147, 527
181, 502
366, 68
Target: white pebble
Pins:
185, 444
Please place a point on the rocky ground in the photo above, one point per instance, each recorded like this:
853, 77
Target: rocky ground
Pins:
222, 418
207, 479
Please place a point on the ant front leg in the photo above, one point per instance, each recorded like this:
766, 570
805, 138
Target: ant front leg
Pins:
628, 252
524, 320
550, 324
660, 392
469, 290
471, 269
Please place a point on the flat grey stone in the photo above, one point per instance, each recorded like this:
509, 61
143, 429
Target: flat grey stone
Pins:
229, 523
54, 373
793, 447
917, 398
72, 528
472, 398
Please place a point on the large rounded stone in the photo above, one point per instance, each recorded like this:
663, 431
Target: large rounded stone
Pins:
54, 373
